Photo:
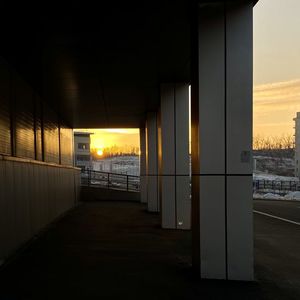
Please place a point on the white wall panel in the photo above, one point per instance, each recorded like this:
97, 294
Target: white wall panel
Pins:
224, 119
143, 165
174, 171
212, 227
153, 201
183, 202
182, 128
31, 196
212, 89
152, 163
239, 88
168, 203
240, 227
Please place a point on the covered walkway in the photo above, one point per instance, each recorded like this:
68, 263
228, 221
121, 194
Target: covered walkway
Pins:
114, 250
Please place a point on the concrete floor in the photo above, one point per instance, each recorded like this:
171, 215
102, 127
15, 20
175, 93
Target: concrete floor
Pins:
277, 247
116, 250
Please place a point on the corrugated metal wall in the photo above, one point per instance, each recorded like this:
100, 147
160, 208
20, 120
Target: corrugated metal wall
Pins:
66, 145
29, 128
24, 120
51, 136
5, 137
38, 129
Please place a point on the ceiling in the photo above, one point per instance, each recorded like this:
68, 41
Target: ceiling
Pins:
100, 65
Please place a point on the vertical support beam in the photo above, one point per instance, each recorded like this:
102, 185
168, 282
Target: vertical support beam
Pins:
152, 163
143, 165
239, 64
174, 171
222, 141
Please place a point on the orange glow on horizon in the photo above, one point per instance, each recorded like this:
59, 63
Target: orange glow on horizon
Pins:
275, 106
115, 139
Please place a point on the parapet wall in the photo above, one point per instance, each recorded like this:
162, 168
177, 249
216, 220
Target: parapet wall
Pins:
32, 195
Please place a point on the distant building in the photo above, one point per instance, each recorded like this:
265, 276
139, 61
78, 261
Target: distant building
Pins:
82, 141
297, 145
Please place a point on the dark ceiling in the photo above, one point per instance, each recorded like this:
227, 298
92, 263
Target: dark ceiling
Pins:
99, 64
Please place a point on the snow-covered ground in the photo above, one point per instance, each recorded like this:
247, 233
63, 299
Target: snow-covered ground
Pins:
129, 165
266, 176
283, 166
276, 194
272, 196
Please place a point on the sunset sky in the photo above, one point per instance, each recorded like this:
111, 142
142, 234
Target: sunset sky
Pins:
276, 66
105, 138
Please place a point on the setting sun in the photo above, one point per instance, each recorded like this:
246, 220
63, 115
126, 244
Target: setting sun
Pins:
100, 152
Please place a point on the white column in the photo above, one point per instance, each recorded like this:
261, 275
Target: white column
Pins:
222, 141
143, 166
174, 170
152, 163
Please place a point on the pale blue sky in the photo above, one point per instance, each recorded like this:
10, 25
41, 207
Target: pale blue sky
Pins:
276, 41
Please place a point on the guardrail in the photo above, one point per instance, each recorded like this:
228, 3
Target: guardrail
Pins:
107, 180
275, 185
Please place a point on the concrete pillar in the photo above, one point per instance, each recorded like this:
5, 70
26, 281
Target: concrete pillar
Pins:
152, 162
174, 164
143, 166
222, 141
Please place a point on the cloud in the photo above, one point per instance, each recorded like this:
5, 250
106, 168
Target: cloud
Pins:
275, 106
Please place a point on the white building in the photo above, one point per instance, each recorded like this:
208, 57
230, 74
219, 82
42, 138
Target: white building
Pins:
297, 145
82, 141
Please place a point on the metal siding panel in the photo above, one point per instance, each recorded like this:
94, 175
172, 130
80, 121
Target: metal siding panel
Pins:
3, 212
240, 227
211, 53
66, 145
10, 206
168, 205
239, 88
38, 128
5, 139
183, 202
212, 227
24, 120
168, 129
51, 136
182, 128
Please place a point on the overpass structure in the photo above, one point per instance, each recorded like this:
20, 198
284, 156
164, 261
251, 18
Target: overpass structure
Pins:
123, 64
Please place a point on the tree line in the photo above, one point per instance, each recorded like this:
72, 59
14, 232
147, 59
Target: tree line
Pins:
274, 146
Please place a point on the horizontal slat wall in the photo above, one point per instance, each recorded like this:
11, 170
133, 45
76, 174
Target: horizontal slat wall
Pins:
38, 129
24, 120
5, 137
29, 128
66, 145
32, 194
51, 135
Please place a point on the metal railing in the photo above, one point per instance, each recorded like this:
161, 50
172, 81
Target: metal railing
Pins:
275, 185
107, 180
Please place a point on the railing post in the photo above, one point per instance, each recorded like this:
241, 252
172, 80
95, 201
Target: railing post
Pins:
127, 182
108, 180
